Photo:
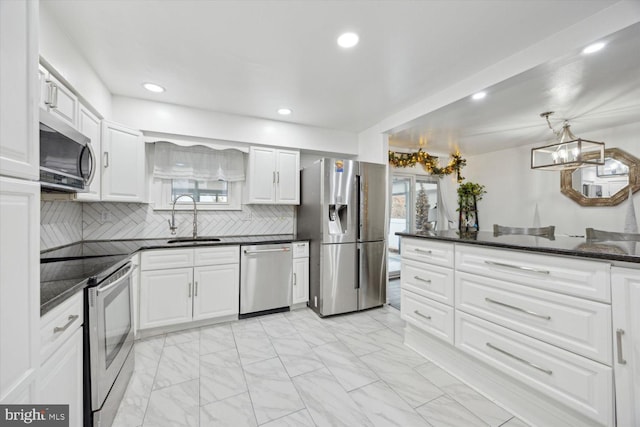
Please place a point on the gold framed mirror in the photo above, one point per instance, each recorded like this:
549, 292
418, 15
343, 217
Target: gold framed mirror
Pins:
606, 185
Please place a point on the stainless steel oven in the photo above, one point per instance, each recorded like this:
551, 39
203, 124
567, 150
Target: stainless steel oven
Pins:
109, 359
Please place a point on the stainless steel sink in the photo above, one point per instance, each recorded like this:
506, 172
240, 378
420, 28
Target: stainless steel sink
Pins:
193, 240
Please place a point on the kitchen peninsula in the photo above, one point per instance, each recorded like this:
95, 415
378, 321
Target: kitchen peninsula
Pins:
545, 326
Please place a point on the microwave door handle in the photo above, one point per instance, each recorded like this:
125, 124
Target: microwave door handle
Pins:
92, 165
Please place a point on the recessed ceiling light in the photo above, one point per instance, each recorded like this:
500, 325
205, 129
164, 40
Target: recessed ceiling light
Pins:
478, 95
593, 47
284, 111
348, 40
152, 87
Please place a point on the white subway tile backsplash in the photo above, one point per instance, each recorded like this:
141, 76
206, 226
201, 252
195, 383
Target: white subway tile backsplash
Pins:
60, 223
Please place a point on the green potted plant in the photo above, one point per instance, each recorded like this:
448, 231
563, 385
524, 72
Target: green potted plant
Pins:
469, 194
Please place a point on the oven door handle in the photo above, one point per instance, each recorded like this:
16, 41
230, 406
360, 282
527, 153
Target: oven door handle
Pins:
104, 288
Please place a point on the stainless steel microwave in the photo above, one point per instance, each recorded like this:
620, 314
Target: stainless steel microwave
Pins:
67, 161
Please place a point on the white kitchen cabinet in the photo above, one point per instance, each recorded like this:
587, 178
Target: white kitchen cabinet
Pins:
19, 140
60, 379
123, 164
274, 176
19, 285
184, 285
57, 98
300, 280
89, 125
625, 293
216, 291
165, 297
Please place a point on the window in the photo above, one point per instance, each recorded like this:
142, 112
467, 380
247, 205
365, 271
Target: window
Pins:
201, 191
209, 195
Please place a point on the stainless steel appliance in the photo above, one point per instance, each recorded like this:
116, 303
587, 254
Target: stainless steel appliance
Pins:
265, 278
342, 213
67, 161
109, 359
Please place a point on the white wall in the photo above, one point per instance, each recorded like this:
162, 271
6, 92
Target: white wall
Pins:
514, 189
60, 52
180, 120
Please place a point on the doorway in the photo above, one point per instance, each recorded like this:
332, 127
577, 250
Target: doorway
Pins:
414, 204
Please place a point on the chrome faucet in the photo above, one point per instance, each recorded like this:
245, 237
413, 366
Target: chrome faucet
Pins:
172, 222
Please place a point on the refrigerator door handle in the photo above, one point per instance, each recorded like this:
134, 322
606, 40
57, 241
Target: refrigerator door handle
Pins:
360, 207
357, 278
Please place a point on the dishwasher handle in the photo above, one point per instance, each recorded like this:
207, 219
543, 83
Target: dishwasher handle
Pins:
263, 251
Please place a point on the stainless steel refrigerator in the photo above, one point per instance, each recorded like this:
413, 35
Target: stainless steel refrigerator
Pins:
342, 213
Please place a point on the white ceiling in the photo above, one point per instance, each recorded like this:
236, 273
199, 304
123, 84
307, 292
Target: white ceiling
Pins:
592, 92
252, 57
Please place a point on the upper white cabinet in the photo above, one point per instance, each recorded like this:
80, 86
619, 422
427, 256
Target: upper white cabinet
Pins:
625, 287
273, 176
57, 98
19, 285
89, 125
19, 142
123, 164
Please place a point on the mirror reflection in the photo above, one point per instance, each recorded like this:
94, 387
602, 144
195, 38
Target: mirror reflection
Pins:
604, 185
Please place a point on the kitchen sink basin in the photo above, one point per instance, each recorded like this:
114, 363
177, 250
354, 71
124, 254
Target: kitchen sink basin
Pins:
192, 240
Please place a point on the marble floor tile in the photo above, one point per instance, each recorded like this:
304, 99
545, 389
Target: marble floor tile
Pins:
297, 419
385, 408
413, 388
479, 405
216, 338
278, 327
175, 406
364, 323
296, 355
135, 400
178, 363
273, 395
234, 411
359, 344
147, 354
515, 422
314, 331
251, 324
327, 402
254, 346
301, 313
350, 372
181, 337
221, 376
446, 412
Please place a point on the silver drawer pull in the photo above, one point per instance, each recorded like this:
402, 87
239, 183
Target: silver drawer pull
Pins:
517, 267
72, 318
264, 251
513, 307
619, 334
519, 359
422, 251
420, 279
417, 313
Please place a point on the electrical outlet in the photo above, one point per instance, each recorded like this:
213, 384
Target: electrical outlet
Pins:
105, 216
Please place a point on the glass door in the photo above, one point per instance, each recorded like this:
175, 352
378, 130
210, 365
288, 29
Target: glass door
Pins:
399, 220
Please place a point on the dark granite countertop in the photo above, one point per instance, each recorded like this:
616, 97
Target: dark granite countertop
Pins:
69, 269
561, 245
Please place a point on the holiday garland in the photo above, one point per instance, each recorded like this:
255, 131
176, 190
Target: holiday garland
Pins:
429, 163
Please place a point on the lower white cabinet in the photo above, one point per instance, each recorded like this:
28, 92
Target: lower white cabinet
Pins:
625, 293
300, 278
215, 291
175, 286
60, 381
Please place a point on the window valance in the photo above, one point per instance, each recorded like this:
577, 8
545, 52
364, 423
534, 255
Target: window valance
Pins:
197, 162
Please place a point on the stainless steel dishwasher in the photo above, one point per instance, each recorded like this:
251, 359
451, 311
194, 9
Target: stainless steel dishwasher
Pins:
265, 278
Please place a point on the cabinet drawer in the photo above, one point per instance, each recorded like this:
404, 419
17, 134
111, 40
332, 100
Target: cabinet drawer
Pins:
428, 280
161, 259
438, 253
575, 324
578, 277
572, 380
60, 323
300, 249
428, 315
217, 255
